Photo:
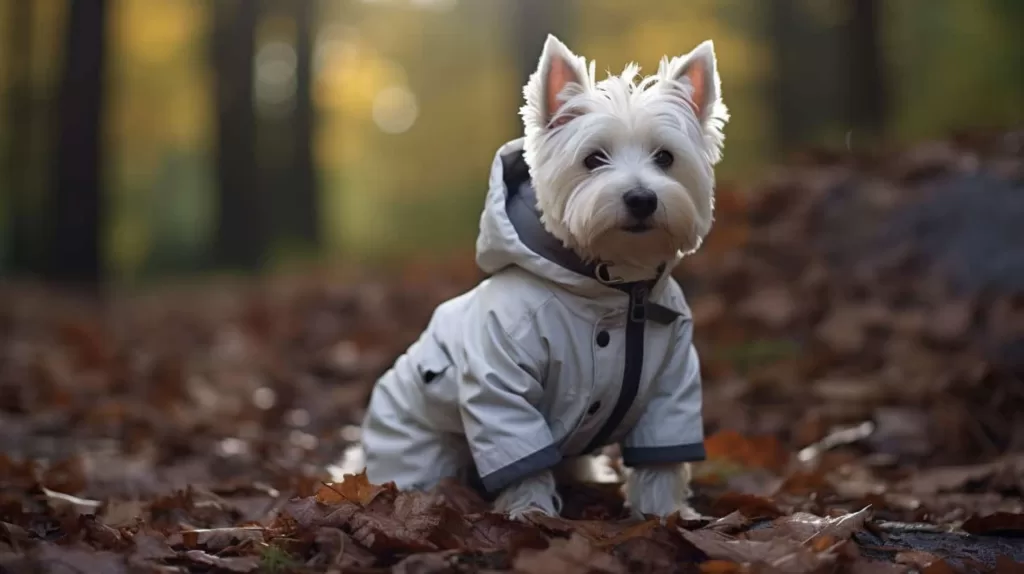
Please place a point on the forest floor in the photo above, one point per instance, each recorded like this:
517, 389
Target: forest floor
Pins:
861, 327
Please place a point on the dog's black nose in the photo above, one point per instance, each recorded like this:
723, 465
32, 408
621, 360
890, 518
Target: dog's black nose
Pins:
640, 202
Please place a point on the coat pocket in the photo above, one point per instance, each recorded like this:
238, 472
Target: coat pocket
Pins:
437, 377
433, 362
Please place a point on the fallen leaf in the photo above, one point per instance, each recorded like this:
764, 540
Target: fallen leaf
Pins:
151, 547
353, 488
784, 554
241, 564
755, 452
122, 513
999, 523
221, 538
923, 560
342, 552
66, 502
1005, 565
460, 497
750, 506
733, 521
573, 556
70, 560
806, 528
722, 567
309, 512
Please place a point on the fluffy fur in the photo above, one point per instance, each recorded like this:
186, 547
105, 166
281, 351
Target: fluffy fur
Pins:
567, 116
627, 120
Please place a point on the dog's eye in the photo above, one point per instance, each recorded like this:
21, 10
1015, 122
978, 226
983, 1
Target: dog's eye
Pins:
663, 159
595, 160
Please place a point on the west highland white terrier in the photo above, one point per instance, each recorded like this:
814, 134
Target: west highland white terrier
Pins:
580, 337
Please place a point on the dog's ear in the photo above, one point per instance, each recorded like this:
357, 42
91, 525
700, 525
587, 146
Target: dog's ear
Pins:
545, 92
698, 70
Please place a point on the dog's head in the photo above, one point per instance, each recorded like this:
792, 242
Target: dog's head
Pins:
623, 168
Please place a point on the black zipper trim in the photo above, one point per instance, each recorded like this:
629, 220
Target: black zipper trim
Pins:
636, 318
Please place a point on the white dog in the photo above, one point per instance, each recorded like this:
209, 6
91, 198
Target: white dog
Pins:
580, 338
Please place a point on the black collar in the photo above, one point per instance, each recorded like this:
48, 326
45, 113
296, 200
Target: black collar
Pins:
521, 207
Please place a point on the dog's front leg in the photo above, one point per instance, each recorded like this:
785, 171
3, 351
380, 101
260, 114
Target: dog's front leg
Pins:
532, 494
660, 490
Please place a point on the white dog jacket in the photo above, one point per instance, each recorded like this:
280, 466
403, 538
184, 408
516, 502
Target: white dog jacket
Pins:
549, 357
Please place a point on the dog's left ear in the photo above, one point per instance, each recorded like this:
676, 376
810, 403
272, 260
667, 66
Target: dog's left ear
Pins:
698, 70
559, 75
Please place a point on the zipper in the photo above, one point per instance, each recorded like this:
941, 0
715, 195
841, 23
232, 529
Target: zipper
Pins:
636, 318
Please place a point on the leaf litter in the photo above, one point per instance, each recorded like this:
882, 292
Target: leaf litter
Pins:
863, 385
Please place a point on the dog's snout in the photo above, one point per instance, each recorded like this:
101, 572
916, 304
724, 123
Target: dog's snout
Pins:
640, 202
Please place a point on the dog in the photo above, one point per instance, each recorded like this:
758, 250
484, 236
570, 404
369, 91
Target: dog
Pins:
579, 337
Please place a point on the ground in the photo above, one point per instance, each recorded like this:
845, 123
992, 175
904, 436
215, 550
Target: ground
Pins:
861, 327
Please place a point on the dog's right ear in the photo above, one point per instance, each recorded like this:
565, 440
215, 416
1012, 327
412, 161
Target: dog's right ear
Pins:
546, 90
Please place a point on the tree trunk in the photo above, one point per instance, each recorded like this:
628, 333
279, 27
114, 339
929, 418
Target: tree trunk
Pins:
24, 253
242, 238
532, 21
78, 199
305, 225
868, 91
787, 78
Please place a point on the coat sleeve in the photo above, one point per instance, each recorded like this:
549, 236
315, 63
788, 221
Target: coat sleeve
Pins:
671, 430
499, 391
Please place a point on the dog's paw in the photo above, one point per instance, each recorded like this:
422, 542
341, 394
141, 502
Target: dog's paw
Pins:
522, 514
686, 512
659, 490
532, 494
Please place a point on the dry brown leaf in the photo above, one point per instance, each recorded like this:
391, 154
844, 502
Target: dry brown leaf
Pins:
1005, 565
999, 523
55, 559
952, 478
573, 556
490, 531
807, 528
781, 553
755, 452
240, 564
341, 551
308, 512
122, 513
150, 546
353, 488
216, 539
732, 522
750, 506
416, 522
722, 567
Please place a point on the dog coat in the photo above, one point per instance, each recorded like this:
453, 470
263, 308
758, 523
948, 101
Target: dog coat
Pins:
549, 357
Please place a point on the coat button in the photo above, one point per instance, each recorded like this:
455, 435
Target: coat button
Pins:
596, 406
603, 338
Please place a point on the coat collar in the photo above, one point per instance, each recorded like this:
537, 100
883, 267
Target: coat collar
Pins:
521, 208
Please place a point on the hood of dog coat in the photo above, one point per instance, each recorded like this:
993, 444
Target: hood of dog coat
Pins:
511, 233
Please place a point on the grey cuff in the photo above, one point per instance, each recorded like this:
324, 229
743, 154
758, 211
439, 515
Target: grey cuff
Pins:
543, 459
639, 456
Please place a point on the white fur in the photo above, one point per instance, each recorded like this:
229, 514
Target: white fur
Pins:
629, 118
680, 110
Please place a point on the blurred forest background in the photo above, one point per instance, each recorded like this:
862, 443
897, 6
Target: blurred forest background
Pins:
148, 138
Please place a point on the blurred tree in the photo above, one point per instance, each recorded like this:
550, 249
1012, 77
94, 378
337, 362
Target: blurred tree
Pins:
303, 224
532, 21
24, 252
867, 89
829, 75
242, 230
77, 209
793, 79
